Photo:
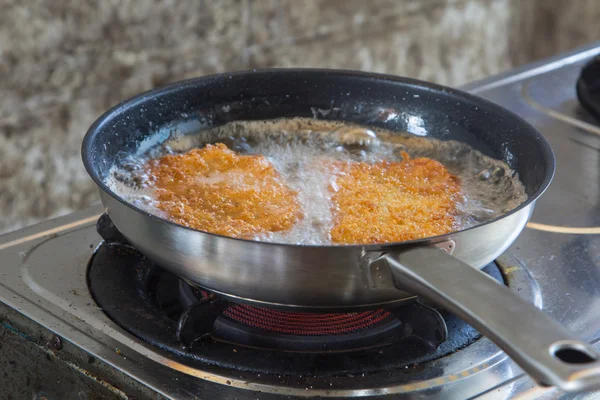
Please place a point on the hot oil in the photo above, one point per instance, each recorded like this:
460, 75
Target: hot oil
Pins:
300, 148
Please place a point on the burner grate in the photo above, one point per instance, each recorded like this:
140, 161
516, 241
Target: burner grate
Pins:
291, 322
164, 311
208, 315
150, 303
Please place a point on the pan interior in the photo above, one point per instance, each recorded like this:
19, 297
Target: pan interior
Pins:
298, 147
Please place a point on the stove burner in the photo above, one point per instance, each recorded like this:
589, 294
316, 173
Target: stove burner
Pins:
588, 87
259, 327
304, 324
291, 323
166, 312
145, 300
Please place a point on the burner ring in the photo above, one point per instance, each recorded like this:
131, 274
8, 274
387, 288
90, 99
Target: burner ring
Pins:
118, 275
286, 330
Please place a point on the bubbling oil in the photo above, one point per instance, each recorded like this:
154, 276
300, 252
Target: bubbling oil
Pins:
298, 148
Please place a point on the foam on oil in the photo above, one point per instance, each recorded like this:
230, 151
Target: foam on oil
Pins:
296, 148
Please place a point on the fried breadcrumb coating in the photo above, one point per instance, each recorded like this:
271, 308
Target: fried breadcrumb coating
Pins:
393, 201
217, 190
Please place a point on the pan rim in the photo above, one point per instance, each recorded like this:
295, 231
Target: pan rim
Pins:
124, 106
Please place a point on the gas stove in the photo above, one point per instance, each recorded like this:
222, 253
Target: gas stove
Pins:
84, 315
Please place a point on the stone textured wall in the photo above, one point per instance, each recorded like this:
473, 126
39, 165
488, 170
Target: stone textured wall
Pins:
63, 63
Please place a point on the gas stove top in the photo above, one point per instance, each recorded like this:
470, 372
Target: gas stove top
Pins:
85, 318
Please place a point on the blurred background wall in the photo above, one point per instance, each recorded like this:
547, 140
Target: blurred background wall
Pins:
63, 63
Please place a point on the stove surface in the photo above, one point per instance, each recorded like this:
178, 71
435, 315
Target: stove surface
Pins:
43, 273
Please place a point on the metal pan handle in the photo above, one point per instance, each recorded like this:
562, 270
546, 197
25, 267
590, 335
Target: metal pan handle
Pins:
542, 347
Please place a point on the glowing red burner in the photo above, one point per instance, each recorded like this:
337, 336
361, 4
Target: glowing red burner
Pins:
305, 324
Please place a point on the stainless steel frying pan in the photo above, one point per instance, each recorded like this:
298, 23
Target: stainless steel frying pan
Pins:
443, 269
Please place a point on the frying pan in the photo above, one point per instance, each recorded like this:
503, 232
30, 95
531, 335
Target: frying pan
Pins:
443, 269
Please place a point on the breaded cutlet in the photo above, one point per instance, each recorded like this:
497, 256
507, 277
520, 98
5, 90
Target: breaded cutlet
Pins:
217, 190
393, 201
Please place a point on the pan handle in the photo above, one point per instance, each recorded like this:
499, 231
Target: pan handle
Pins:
542, 347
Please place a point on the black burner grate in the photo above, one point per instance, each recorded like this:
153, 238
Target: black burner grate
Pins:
289, 322
300, 331
127, 287
164, 311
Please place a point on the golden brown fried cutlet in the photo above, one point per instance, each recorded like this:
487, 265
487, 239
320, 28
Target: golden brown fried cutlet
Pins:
393, 201
216, 190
